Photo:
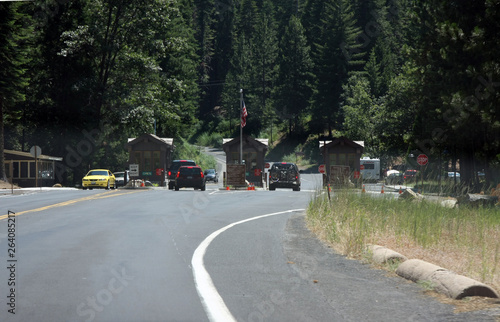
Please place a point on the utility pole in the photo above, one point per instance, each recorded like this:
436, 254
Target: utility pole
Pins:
241, 127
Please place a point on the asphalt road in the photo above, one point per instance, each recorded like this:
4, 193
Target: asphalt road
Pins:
162, 255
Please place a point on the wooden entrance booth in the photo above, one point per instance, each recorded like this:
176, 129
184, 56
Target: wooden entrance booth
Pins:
341, 157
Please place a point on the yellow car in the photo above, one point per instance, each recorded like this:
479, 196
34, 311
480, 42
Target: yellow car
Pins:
99, 178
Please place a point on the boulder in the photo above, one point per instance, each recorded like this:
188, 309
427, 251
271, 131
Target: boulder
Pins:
477, 200
409, 194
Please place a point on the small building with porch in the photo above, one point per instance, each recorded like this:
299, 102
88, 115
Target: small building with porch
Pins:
21, 168
254, 151
341, 157
152, 154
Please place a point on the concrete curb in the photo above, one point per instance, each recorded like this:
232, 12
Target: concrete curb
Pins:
382, 255
444, 281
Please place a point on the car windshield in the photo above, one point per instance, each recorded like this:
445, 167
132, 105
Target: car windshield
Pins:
97, 173
119, 175
210, 171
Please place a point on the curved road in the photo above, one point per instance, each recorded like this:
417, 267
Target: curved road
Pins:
143, 255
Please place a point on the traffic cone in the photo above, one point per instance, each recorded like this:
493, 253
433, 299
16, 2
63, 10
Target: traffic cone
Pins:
329, 188
382, 191
400, 191
142, 183
363, 190
227, 188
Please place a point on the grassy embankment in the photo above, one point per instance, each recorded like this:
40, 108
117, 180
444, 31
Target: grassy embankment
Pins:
464, 240
184, 150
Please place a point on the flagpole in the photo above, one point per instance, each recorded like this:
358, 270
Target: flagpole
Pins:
241, 127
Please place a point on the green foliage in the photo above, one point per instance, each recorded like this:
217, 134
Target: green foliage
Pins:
294, 82
337, 54
187, 151
14, 32
213, 139
404, 76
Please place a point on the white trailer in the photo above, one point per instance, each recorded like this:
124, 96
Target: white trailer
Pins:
370, 169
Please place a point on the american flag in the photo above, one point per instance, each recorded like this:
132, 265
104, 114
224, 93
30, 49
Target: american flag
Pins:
244, 115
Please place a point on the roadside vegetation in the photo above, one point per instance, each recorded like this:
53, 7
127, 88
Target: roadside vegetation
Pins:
184, 150
464, 240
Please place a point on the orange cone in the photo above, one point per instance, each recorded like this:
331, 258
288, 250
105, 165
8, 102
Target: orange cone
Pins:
382, 191
400, 191
142, 183
363, 190
227, 188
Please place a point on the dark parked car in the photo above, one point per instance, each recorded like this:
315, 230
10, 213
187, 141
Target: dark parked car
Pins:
394, 178
410, 175
190, 177
172, 171
211, 175
284, 175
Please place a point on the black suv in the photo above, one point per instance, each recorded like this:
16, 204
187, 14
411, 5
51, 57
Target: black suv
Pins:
190, 177
174, 167
284, 175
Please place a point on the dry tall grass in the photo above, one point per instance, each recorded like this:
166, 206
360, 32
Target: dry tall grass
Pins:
463, 240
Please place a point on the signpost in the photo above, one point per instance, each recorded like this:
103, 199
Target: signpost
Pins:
36, 151
134, 170
422, 160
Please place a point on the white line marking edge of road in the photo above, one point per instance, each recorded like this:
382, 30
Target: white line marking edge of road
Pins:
212, 302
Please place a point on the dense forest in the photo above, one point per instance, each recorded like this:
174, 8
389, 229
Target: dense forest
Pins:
405, 76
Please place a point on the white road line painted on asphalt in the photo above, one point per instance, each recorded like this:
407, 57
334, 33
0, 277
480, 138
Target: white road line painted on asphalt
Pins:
212, 302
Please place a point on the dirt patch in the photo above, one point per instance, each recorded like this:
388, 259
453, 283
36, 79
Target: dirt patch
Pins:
7, 185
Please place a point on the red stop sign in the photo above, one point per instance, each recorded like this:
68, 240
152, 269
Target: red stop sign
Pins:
159, 171
257, 172
267, 165
321, 168
422, 159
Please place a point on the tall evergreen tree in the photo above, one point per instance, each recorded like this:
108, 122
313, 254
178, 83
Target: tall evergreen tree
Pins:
13, 33
457, 82
336, 57
115, 68
294, 83
266, 51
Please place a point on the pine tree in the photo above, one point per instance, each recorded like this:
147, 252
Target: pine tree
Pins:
294, 83
13, 33
336, 57
266, 52
457, 88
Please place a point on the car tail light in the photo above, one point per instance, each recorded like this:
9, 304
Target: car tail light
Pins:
169, 173
202, 175
178, 173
